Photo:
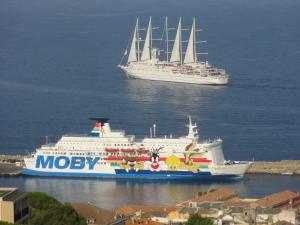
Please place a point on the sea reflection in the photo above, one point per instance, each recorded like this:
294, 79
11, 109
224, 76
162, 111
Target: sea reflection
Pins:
168, 104
174, 93
111, 193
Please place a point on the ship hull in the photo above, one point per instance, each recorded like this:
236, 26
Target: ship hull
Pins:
142, 174
178, 78
112, 154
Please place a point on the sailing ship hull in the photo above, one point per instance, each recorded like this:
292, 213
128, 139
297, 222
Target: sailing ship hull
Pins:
179, 78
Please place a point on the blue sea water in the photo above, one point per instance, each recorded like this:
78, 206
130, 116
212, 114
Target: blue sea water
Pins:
112, 194
58, 68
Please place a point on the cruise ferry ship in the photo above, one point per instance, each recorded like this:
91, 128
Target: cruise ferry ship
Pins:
176, 66
110, 153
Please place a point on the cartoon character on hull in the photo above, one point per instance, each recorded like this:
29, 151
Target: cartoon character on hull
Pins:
154, 161
155, 164
130, 163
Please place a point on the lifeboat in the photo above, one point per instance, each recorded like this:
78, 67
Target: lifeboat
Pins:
111, 150
127, 150
142, 151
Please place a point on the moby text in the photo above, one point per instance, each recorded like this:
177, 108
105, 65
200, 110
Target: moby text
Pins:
64, 162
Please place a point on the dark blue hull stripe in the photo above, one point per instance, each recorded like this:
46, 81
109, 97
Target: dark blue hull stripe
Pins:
142, 174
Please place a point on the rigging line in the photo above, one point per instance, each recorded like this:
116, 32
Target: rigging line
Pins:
162, 38
126, 50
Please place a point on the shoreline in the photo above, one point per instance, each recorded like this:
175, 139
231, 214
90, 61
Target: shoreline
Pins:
10, 165
275, 167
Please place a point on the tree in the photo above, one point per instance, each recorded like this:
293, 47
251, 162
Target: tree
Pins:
5, 223
46, 210
196, 219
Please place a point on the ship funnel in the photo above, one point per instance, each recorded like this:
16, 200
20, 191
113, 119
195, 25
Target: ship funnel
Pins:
101, 127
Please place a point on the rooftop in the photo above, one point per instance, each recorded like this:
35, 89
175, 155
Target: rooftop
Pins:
2, 193
132, 209
276, 199
101, 216
222, 194
142, 221
5, 193
241, 202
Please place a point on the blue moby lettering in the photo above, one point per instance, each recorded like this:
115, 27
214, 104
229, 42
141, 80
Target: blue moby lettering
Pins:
41, 162
92, 162
77, 163
64, 162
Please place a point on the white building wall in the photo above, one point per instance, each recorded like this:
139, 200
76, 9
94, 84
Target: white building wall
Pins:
288, 215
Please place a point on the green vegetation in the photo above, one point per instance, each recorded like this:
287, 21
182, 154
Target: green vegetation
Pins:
196, 219
5, 223
2, 193
46, 210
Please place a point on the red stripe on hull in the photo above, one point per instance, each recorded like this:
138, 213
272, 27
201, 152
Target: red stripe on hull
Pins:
160, 159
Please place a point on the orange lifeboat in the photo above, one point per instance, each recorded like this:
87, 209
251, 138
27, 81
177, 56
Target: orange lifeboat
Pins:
127, 150
142, 151
111, 150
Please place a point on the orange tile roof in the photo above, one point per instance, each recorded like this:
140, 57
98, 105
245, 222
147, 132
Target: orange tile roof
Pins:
276, 199
132, 209
222, 194
102, 216
237, 202
142, 221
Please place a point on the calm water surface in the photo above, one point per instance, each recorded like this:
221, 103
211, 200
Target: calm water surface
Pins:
58, 67
111, 194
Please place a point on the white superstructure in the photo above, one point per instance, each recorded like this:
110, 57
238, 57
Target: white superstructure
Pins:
177, 67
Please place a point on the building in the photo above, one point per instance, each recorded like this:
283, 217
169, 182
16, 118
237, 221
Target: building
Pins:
142, 221
14, 206
93, 214
283, 200
130, 210
221, 194
286, 215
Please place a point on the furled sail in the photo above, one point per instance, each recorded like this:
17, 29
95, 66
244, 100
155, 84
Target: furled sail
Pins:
191, 53
132, 54
176, 52
146, 54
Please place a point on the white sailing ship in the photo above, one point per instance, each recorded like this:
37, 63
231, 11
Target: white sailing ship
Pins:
177, 66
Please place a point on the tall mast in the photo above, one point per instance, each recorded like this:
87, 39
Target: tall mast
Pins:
176, 55
150, 24
191, 54
133, 53
180, 41
167, 37
138, 39
195, 40
146, 54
